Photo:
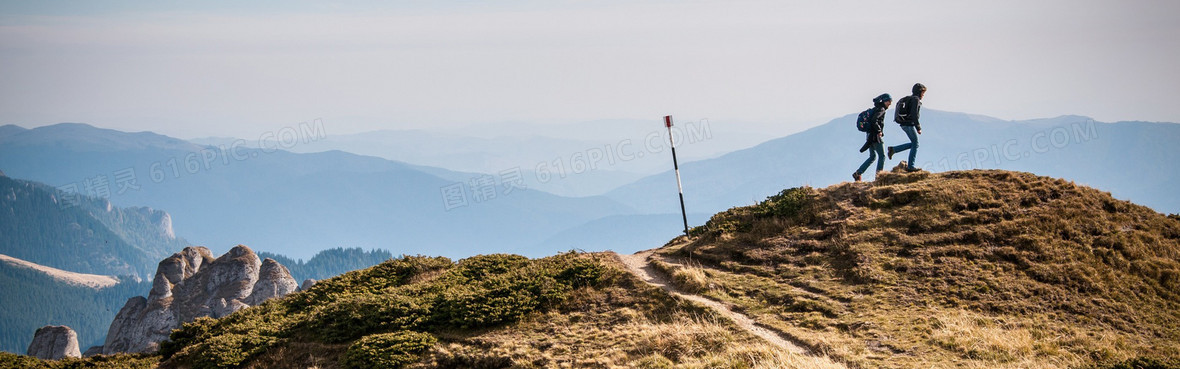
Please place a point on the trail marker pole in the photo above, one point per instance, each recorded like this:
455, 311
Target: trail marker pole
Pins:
679, 187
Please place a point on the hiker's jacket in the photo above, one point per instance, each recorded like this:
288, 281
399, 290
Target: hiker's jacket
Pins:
876, 125
915, 112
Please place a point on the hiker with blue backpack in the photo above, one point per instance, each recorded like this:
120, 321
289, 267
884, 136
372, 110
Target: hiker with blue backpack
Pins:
907, 116
872, 123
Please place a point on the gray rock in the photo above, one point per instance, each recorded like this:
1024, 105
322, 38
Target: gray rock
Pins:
191, 284
92, 351
274, 280
307, 283
54, 342
177, 268
140, 326
164, 222
213, 290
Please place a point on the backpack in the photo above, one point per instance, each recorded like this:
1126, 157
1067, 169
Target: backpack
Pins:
862, 120
905, 110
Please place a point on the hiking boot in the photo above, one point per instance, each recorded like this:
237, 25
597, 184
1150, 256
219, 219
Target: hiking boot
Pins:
912, 169
856, 176
890, 152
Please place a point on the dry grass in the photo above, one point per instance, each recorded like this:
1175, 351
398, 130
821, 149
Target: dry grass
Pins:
632, 325
977, 269
553, 341
690, 279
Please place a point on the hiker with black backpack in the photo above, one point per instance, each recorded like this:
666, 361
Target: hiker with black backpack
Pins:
907, 116
872, 123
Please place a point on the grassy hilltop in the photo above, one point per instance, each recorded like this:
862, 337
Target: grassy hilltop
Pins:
984, 269
977, 269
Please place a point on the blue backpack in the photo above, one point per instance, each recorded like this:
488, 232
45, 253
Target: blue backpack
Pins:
862, 120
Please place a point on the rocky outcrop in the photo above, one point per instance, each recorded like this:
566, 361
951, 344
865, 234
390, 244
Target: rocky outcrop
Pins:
273, 280
92, 351
54, 342
192, 284
159, 218
307, 283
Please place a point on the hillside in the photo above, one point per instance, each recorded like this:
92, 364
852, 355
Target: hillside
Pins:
31, 299
977, 268
67, 277
78, 233
490, 311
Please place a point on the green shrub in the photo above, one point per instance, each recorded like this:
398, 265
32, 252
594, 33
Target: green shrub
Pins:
577, 271
729, 221
8, 360
188, 334
120, 361
493, 289
492, 264
387, 350
495, 300
478, 292
375, 280
347, 320
229, 350
788, 203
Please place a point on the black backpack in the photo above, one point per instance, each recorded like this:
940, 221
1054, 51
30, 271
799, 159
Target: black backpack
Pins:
862, 120
905, 110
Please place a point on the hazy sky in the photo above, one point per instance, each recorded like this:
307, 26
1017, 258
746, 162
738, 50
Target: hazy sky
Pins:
226, 69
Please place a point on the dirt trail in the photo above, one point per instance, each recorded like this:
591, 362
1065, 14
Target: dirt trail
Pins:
638, 265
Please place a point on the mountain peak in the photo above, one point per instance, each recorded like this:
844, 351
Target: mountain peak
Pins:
1061, 119
11, 129
85, 137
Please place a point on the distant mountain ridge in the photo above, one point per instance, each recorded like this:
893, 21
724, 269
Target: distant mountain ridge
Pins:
567, 159
81, 136
297, 204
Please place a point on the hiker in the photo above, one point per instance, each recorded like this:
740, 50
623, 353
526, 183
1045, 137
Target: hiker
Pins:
907, 116
872, 123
